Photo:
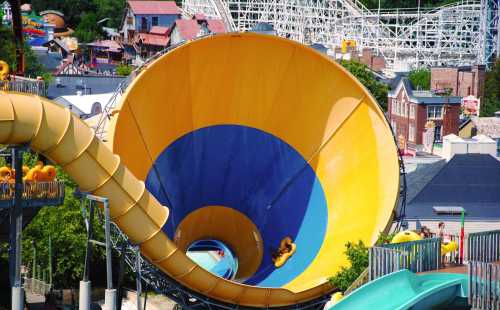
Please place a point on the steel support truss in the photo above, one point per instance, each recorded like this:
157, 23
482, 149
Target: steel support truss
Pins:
462, 33
155, 279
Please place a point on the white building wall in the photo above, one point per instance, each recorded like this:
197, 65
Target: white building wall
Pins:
480, 144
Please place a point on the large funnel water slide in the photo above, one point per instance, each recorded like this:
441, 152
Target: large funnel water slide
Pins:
242, 140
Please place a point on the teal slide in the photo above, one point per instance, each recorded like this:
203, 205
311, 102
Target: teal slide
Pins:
406, 290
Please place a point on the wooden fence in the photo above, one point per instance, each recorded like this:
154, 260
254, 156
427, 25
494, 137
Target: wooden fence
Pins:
484, 246
421, 255
484, 285
382, 261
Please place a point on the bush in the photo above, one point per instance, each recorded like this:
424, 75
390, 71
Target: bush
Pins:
357, 254
123, 70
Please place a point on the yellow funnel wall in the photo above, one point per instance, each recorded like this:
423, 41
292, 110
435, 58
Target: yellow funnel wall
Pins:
289, 91
359, 169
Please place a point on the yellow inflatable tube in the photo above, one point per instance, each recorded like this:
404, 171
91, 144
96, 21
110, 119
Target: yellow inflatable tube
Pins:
286, 254
447, 247
4, 70
405, 236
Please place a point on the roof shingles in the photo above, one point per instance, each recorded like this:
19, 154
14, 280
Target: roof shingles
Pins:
471, 181
188, 28
154, 7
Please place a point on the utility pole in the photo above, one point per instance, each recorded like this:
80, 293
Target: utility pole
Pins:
17, 26
16, 226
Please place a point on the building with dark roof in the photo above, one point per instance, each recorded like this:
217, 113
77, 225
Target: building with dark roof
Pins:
85, 85
410, 110
488, 126
469, 182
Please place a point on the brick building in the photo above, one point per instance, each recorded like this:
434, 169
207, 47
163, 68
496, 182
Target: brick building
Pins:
462, 81
409, 110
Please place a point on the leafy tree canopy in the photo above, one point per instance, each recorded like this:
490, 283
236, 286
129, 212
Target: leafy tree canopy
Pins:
491, 101
357, 254
75, 10
8, 54
420, 79
367, 78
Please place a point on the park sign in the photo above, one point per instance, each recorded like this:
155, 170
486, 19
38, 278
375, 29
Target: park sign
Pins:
470, 106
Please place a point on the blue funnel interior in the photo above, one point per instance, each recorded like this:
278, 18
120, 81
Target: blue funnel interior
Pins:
255, 173
214, 256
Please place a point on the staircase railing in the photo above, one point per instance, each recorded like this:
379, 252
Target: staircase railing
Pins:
382, 261
484, 246
484, 285
422, 255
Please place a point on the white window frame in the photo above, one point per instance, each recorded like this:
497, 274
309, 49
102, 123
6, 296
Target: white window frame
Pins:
394, 126
413, 107
411, 133
434, 109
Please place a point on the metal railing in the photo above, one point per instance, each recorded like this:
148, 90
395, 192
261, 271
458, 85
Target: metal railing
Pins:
34, 190
382, 261
36, 286
24, 85
484, 246
484, 285
421, 255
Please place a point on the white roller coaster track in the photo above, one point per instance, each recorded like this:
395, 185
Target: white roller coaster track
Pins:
462, 33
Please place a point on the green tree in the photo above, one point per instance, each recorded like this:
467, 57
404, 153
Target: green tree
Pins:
8, 54
109, 9
491, 101
74, 11
88, 30
357, 254
420, 79
7, 47
367, 78
65, 226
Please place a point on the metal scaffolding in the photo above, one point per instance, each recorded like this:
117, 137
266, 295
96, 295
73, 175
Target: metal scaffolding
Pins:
462, 33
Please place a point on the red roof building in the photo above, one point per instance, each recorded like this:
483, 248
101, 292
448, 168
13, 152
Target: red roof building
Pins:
159, 30
154, 7
216, 26
152, 39
143, 16
200, 16
185, 29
